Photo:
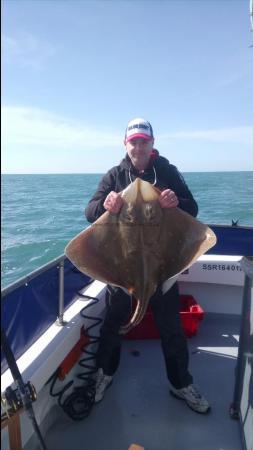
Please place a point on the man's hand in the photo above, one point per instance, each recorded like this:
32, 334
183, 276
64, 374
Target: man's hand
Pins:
113, 202
168, 199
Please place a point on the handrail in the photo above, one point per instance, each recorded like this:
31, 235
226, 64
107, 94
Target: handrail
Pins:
25, 280
44, 294
60, 320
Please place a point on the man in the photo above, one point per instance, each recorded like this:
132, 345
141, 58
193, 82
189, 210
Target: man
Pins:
143, 161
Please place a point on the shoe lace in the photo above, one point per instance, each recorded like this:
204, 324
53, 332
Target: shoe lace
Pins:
194, 391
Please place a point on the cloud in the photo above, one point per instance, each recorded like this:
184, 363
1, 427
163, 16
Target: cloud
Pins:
239, 135
39, 128
26, 51
36, 128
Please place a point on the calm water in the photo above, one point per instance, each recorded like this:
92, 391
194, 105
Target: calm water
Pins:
41, 213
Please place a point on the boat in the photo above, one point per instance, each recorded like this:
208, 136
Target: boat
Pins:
50, 323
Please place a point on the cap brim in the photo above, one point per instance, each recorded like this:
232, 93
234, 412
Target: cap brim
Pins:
138, 136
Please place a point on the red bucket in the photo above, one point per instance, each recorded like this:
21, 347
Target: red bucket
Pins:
191, 314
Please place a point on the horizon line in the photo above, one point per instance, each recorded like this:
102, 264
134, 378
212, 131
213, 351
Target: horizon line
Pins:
103, 173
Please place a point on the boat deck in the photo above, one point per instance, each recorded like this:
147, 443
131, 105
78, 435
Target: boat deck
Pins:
138, 407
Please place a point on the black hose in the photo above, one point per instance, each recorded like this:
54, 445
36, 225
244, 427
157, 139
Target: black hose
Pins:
79, 403
27, 403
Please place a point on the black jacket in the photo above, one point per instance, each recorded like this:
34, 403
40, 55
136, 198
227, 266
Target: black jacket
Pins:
159, 169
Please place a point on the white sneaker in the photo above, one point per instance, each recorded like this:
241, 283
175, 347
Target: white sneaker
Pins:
102, 383
193, 398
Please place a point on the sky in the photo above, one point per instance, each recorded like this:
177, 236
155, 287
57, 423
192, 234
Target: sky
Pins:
74, 72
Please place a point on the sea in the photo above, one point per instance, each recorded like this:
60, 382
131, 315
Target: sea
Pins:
41, 213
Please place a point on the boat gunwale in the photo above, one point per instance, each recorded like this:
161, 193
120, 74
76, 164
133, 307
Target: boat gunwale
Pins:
30, 276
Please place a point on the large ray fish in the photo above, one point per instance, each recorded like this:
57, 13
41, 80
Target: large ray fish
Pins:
141, 247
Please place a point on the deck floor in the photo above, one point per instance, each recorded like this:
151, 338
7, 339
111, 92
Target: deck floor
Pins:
138, 407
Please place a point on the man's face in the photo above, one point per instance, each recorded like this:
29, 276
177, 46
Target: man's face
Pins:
139, 151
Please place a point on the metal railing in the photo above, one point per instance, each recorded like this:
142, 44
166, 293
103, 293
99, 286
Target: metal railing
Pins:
24, 281
60, 320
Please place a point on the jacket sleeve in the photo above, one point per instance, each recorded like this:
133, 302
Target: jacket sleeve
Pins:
95, 208
186, 200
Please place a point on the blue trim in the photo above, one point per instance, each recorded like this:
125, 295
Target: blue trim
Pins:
30, 309
232, 240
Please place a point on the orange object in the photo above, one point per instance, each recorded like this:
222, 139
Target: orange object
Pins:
190, 314
14, 430
74, 355
136, 447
